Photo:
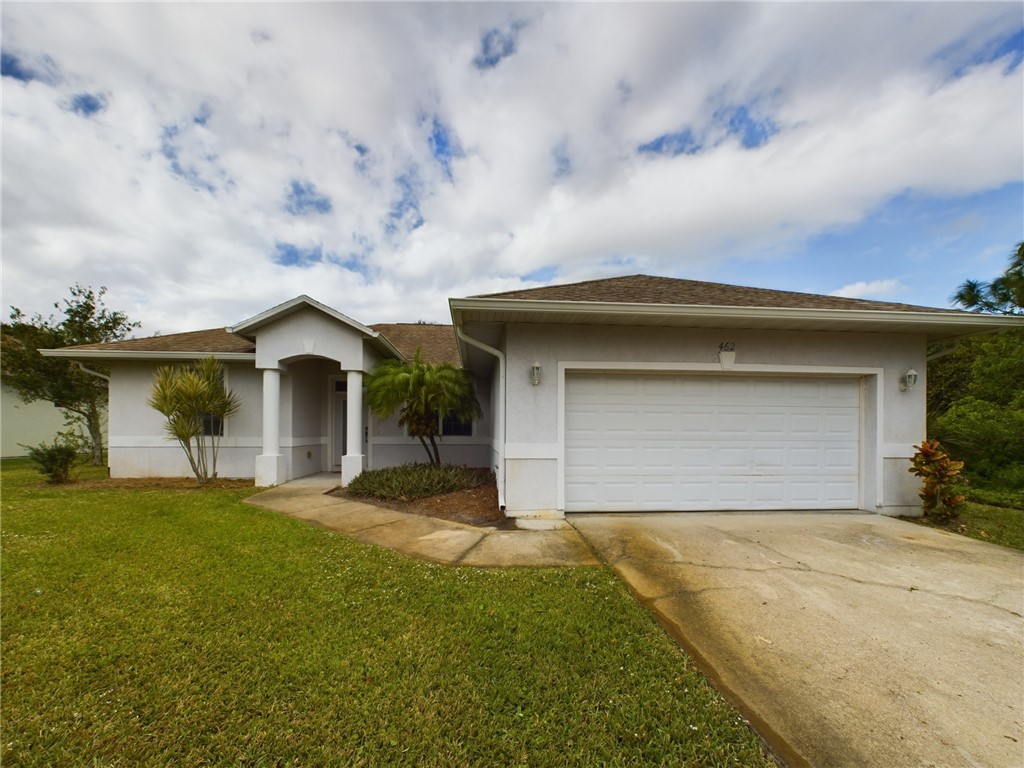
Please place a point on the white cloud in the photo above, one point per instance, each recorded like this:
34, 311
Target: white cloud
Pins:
875, 289
291, 90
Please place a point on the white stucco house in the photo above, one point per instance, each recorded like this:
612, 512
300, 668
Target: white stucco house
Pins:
634, 393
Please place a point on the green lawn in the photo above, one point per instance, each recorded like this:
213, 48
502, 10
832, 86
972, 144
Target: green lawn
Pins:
998, 525
181, 627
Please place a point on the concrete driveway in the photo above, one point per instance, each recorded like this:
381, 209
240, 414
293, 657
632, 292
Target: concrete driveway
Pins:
847, 639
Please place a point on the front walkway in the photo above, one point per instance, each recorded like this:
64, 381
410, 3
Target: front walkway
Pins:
421, 537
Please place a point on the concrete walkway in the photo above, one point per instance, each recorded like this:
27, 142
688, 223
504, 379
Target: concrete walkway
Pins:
425, 538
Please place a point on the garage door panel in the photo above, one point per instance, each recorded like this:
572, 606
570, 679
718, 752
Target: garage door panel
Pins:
734, 423
770, 493
771, 424
701, 442
731, 458
764, 458
841, 424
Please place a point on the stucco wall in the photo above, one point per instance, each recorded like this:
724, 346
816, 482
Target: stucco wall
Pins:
392, 447
26, 423
309, 332
532, 421
139, 446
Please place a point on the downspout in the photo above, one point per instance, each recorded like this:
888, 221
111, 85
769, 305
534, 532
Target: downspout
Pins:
499, 417
91, 372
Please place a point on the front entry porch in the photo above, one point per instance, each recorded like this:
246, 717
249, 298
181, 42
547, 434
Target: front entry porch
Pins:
313, 421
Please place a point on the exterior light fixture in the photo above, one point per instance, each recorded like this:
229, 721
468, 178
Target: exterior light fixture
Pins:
535, 374
908, 381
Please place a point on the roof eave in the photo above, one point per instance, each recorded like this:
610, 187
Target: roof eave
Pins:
140, 354
931, 323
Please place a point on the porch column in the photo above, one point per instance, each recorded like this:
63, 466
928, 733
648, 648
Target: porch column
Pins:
270, 469
352, 461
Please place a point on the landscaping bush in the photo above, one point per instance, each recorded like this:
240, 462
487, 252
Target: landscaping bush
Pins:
56, 460
943, 483
416, 481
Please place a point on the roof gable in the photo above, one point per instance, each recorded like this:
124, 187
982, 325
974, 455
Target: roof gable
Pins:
247, 327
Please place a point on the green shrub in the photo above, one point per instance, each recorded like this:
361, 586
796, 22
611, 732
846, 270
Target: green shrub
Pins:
941, 492
56, 460
416, 481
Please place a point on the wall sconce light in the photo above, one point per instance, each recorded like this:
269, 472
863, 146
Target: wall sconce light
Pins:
908, 381
535, 374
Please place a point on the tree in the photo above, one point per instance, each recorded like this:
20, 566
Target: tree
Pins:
195, 403
82, 396
1004, 295
422, 394
976, 404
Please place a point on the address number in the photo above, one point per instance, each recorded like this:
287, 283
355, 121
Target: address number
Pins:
727, 346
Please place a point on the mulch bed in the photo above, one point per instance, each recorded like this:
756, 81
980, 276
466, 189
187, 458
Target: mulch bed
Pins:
473, 506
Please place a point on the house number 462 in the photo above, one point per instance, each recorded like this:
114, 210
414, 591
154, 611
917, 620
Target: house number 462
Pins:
727, 346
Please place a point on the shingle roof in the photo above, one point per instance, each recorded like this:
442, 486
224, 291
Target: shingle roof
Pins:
645, 289
436, 342
212, 340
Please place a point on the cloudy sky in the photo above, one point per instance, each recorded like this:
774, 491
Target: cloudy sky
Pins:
207, 161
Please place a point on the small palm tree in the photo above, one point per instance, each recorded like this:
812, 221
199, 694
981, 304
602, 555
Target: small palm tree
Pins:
195, 402
422, 394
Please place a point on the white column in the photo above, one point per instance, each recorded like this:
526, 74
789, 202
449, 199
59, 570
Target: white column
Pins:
352, 461
270, 468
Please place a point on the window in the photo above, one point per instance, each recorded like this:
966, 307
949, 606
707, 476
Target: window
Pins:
213, 426
452, 427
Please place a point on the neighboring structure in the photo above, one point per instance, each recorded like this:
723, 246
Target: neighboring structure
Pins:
631, 393
24, 423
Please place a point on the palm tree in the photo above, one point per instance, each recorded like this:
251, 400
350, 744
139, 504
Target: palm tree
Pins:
195, 403
422, 394
1005, 294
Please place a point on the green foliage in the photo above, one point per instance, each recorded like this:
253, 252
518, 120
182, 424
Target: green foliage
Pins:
188, 395
56, 460
940, 494
976, 404
177, 628
86, 320
416, 481
1004, 295
988, 435
422, 394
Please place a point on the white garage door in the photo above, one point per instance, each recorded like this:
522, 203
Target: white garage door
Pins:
669, 442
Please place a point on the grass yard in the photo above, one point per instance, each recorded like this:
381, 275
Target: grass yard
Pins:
998, 525
182, 627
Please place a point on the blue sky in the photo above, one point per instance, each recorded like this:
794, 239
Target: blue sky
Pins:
207, 161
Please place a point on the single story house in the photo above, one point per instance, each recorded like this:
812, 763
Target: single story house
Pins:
634, 393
